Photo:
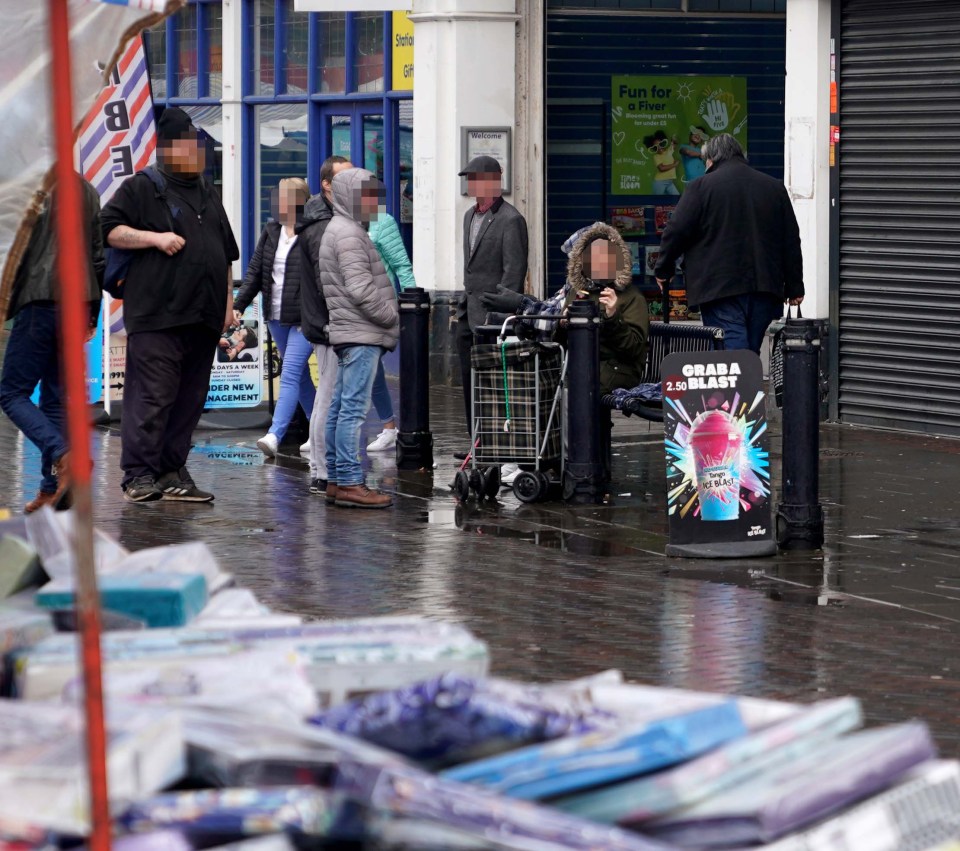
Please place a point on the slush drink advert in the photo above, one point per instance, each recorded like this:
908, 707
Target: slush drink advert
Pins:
717, 455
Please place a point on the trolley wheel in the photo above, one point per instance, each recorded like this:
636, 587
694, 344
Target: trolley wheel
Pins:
569, 485
526, 486
491, 482
476, 482
544, 485
461, 485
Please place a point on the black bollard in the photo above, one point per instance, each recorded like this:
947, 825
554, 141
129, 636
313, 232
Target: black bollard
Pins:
584, 478
800, 515
414, 440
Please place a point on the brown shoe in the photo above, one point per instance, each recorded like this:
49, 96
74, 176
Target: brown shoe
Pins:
360, 496
330, 495
39, 501
61, 469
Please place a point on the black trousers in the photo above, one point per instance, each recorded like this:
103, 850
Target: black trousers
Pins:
464, 346
165, 388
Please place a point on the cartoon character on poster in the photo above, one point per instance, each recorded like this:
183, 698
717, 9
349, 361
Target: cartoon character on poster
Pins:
717, 455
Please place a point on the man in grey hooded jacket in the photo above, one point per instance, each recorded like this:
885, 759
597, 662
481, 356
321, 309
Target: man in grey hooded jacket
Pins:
364, 322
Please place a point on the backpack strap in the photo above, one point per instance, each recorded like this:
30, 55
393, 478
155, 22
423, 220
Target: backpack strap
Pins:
160, 193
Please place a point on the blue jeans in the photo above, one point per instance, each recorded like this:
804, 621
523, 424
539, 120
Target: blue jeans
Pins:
356, 369
295, 381
381, 395
33, 356
743, 318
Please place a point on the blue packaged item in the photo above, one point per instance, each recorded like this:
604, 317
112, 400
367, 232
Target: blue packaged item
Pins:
635, 801
790, 797
157, 599
451, 719
470, 811
583, 762
235, 812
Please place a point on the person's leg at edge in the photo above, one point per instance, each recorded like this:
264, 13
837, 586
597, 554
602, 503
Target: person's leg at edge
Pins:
387, 438
53, 406
291, 344
359, 367
306, 391
330, 432
764, 309
326, 381
30, 357
151, 386
730, 314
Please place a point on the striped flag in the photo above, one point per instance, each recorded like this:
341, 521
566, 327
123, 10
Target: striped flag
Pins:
118, 137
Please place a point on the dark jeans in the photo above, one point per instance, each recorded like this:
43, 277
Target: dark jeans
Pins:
32, 357
165, 388
464, 346
743, 318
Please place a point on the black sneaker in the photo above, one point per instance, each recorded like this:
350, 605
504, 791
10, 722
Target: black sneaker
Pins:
142, 489
179, 487
318, 486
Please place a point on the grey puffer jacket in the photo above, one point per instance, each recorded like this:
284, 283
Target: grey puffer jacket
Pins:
360, 297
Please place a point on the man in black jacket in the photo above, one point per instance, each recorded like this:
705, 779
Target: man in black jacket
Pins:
314, 316
33, 351
177, 300
739, 236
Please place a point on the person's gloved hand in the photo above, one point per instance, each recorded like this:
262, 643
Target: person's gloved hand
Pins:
502, 301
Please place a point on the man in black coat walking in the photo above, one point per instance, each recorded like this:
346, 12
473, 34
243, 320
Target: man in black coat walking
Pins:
739, 236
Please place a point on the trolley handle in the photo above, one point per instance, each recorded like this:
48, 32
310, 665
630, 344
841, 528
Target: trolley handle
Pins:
550, 317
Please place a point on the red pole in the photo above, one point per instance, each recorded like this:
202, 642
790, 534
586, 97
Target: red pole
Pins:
72, 266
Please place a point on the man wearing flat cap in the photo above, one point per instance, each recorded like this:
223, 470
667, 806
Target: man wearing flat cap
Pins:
494, 254
177, 301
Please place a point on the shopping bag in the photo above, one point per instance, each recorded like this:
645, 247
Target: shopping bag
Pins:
777, 354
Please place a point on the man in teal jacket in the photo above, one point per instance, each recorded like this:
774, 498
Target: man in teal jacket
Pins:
385, 235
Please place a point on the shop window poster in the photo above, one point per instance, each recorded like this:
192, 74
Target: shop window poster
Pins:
635, 257
630, 221
662, 215
659, 124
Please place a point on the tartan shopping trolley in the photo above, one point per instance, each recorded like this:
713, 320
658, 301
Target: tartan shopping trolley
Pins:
517, 415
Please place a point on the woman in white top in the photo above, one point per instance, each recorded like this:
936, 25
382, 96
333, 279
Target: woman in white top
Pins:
274, 271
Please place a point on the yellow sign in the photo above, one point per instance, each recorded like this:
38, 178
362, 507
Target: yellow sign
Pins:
402, 52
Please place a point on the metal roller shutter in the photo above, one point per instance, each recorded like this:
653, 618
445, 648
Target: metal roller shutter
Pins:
899, 288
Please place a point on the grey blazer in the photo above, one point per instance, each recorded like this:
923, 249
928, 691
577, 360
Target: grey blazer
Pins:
499, 257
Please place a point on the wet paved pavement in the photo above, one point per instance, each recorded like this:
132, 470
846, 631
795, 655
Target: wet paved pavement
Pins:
561, 592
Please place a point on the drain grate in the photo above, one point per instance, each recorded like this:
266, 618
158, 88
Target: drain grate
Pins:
841, 453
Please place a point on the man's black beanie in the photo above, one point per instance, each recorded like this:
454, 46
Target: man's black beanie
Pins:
174, 123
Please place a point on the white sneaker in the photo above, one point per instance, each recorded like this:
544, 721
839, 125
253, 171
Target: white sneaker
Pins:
305, 448
387, 439
268, 444
509, 472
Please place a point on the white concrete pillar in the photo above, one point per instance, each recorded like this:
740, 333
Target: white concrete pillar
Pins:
807, 154
232, 125
465, 56
531, 190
